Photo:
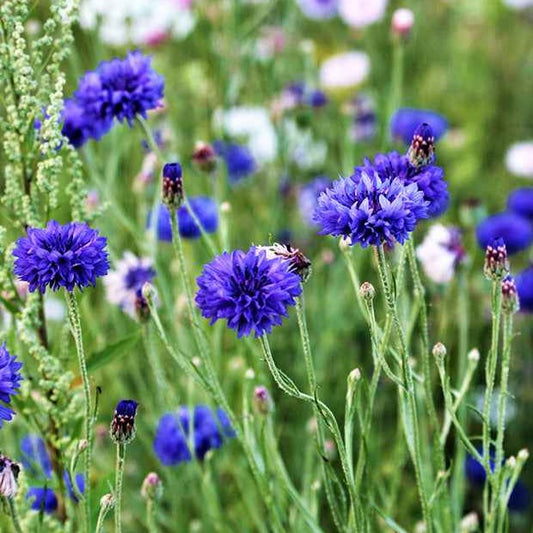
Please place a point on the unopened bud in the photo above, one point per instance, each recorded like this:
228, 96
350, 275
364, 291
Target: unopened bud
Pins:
107, 502
152, 487
511, 462
523, 454
262, 400
422, 149
510, 302
439, 350
204, 157
469, 523
123, 424
172, 186
225, 207
82, 445
402, 22
473, 355
496, 265
367, 291
330, 450
354, 376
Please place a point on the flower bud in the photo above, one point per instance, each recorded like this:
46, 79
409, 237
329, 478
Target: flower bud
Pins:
367, 291
225, 207
473, 355
152, 487
330, 450
172, 186
402, 22
107, 502
510, 302
123, 423
422, 149
469, 523
142, 310
262, 400
439, 350
496, 265
523, 454
249, 374
204, 157
511, 462
82, 445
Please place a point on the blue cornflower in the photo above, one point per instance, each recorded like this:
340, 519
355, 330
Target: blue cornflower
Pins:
172, 185
520, 202
80, 482
75, 125
370, 210
10, 378
42, 499
70, 255
239, 160
173, 442
248, 289
405, 121
515, 231
206, 212
35, 457
429, 178
123, 424
317, 98
524, 286
308, 197
319, 9
364, 125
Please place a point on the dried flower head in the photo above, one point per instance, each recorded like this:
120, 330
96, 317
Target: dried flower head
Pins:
9, 472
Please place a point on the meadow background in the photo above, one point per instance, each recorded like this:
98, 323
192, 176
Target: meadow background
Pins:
469, 60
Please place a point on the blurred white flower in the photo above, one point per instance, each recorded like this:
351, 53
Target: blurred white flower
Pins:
137, 21
519, 159
439, 253
344, 70
306, 152
254, 125
402, 21
54, 309
361, 13
518, 4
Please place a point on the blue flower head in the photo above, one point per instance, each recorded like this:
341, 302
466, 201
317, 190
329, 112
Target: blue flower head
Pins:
515, 231
69, 256
172, 186
35, 458
75, 125
308, 197
520, 202
123, 423
405, 121
524, 286
42, 499
173, 443
248, 289
317, 98
370, 210
239, 160
206, 212
10, 378
422, 149
80, 482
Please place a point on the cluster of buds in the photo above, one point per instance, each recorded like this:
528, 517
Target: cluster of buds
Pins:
510, 302
9, 472
123, 423
172, 186
496, 265
298, 262
422, 149
204, 157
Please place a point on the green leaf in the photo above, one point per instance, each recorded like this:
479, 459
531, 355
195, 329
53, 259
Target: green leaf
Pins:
112, 352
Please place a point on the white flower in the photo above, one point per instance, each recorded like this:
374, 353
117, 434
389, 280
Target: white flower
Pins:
254, 125
361, 13
518, 4
123, 283
137, 21
344, 70
519, 159
307, 153
439, 253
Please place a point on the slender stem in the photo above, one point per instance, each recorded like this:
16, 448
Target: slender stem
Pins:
75, 327
411, 433
150, 515
104, 510
119, 476
490, 375
14, 515
163, 395
205, 236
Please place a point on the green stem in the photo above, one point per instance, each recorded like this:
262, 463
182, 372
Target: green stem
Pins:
150, 516
162, 386
205, 236
119, 476
14, 515
75, 327
412, 432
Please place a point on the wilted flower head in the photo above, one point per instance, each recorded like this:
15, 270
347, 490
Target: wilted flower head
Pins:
247, 289
173, 434
346, 70
515, 231
369, 209
520, 201
69, 256
9, 471
519, 159
510, 303
318, 9
172, 185
239, 160
123, 423
496, 262
10, 378
405, 121
361, 13
524, 286
296, 260
440, 252
308, 197
123, 283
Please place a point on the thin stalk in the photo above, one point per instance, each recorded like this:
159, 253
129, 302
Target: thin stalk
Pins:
75, 326
150, 516
205, 236
119, 476
14, 515
490, 376
163, 394
415, 448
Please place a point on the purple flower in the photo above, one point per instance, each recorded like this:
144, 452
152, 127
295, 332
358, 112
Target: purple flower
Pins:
80, 482
123, 423
172, 186
308, 197
515, 231
364, 118
317, 98
405, 121
520, 202
70, 255
172, 438
249, 290
239, 160
524, 285
429, 178
10, 378
75, 126
319, 9
369, 209
42, 499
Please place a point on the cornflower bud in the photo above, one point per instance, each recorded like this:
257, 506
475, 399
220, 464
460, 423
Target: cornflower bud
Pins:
204, 157
510, 302
262, 400
367, 291
123, 423
439, 350
402, 22
496, 265
422, 149
152, 487
172, 186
